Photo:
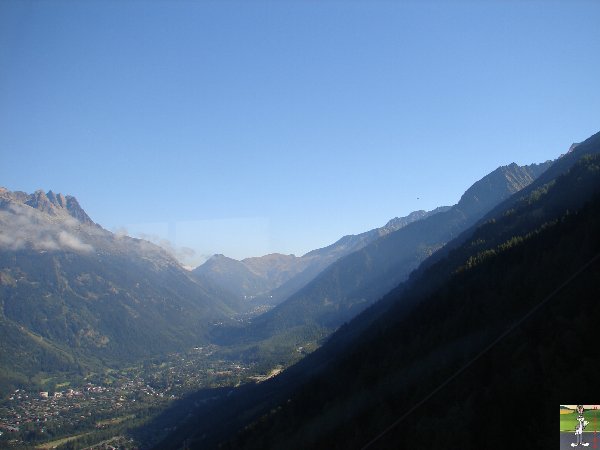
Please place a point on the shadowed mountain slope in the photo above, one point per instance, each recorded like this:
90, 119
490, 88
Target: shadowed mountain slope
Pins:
492, 335
354, 282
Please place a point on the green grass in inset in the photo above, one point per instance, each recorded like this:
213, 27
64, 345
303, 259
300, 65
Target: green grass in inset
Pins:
568, 422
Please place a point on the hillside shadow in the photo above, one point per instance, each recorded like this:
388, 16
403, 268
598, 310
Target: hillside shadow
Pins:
177, 415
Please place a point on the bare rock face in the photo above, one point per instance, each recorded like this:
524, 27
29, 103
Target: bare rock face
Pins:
57, 200
55, 205
76, 211
41, 202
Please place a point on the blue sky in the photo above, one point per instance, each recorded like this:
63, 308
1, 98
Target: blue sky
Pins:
246, 128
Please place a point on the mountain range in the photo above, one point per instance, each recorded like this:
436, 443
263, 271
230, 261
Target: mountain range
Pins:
493, 292
355, 281
270, 279
76, 297
473, 350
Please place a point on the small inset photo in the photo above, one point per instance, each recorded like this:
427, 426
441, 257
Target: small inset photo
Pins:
579, 426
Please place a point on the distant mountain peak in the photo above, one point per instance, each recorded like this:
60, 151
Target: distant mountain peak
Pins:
48, 202
499, 184
399, 222
218, 259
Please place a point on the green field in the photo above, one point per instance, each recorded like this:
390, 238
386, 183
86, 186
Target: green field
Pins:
57, 442
569, 421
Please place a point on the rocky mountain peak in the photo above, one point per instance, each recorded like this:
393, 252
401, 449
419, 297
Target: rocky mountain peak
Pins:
41, 202
75, 210
498, 185
48, 202
57, 200
400, 222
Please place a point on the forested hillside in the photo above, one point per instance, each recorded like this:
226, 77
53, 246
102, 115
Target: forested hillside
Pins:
505, 321
359, 279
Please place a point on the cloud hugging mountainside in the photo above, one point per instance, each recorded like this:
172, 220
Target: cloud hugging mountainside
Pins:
74, 296
22, 225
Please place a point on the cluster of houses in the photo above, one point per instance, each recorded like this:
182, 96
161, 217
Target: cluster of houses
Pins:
24, 407
69, 393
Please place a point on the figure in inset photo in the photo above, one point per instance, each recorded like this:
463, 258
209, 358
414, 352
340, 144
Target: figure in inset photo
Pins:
581, 424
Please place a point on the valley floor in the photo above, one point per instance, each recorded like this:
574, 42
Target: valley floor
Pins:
105, 406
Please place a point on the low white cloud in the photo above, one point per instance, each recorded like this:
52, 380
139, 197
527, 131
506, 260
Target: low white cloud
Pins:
70, 222
22, 227
120, 232
183, 254
46, 243
67, 240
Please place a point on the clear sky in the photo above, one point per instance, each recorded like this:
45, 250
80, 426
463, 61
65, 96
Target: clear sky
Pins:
246, 128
